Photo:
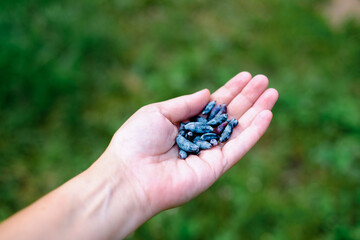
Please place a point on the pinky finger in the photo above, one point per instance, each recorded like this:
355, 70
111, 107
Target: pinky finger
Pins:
236, 148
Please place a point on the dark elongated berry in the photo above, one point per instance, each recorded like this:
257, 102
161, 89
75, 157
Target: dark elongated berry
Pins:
219, 129
203, 145
208, 107
182, 132
214, 111
235, 122
214, 142
189, 135
223, 109
198, 119
186, 145
182, 154
198, 127
209, 136
205, 130
218, 119
197, 138
227, 132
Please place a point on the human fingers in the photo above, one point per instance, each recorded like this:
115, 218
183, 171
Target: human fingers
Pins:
184, 107
266, 101
233, 87
248, 96
236, 148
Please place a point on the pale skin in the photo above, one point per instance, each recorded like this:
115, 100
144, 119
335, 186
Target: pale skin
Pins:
140, 173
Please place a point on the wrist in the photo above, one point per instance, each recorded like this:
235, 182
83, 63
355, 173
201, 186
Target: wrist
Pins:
100, 203
113, 202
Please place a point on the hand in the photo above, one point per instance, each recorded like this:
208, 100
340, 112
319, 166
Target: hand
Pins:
145, 147
140, 173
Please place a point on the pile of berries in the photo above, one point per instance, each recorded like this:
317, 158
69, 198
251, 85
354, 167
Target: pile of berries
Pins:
205, 130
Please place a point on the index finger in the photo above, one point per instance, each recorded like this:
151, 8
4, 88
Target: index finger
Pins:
231, 89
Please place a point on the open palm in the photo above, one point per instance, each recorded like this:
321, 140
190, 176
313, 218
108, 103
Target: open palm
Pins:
145, 144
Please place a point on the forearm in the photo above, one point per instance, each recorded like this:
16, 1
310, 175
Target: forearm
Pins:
97, 204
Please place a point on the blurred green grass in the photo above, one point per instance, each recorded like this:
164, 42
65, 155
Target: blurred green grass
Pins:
72, 72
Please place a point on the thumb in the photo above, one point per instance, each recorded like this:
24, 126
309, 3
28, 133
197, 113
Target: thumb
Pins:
184, 107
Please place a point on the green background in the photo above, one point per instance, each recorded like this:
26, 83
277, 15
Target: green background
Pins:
73, 71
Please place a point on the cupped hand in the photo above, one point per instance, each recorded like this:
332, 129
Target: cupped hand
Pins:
145, 146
